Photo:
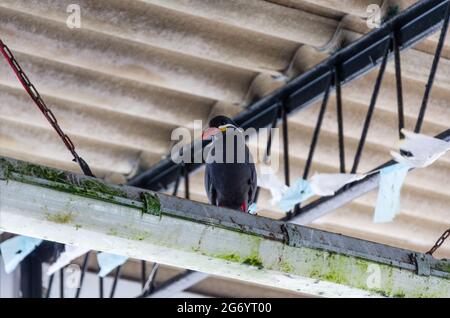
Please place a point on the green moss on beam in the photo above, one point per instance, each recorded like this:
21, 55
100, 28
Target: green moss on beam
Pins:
60, 218
139, 235
30, 169
112, 232
443, 267
95, 186
59, 180
253, 261
230, 258
151, 204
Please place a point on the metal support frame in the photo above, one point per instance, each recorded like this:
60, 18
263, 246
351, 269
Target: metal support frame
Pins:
348, 64
326, 205
74, 209
351, 62
373, 101
433, 70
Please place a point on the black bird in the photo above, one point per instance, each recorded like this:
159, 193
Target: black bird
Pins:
230, 175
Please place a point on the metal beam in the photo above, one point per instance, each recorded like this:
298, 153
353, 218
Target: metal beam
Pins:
83, 211
351, 62
327, 205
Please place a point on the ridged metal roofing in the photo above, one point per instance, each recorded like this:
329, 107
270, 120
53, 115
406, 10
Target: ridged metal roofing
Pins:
137, 69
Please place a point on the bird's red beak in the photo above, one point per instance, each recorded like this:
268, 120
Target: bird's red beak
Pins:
209, 132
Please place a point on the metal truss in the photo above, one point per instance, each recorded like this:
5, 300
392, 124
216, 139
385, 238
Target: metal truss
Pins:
349, 63
374, 49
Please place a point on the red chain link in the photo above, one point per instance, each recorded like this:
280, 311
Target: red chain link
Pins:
439, 242
34, 94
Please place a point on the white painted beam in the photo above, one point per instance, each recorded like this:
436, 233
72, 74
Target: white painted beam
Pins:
72, 209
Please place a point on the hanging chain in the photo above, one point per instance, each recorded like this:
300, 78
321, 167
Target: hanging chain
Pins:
439, 242
34, 94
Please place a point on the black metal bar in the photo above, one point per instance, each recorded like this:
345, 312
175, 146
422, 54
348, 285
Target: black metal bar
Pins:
269, 138
316, 132
61, 283
101, 289
340, 120
285, 145
149, 285
116, 279
49, 287
31, 268
398, 80
411, 25
49, 252
143, 272
268, 153
31, 276
258, 190
433, 70
177, 181
315, 136
83, 272
186, 182
369, 114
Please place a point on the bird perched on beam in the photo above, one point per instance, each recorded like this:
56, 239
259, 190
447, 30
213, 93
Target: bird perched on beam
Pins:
230, 174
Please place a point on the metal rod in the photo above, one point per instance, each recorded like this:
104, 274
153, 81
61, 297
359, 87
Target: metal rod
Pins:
285, 145
61, 283
316, 133
433, 70
269, 138
116, 279
398, 81
149, 285
31, 276
258, 190
177, 182
49, 287
340, 121
56, 252
369, 114
83, 272
314, 139
186, 182
100, 285
143, 272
